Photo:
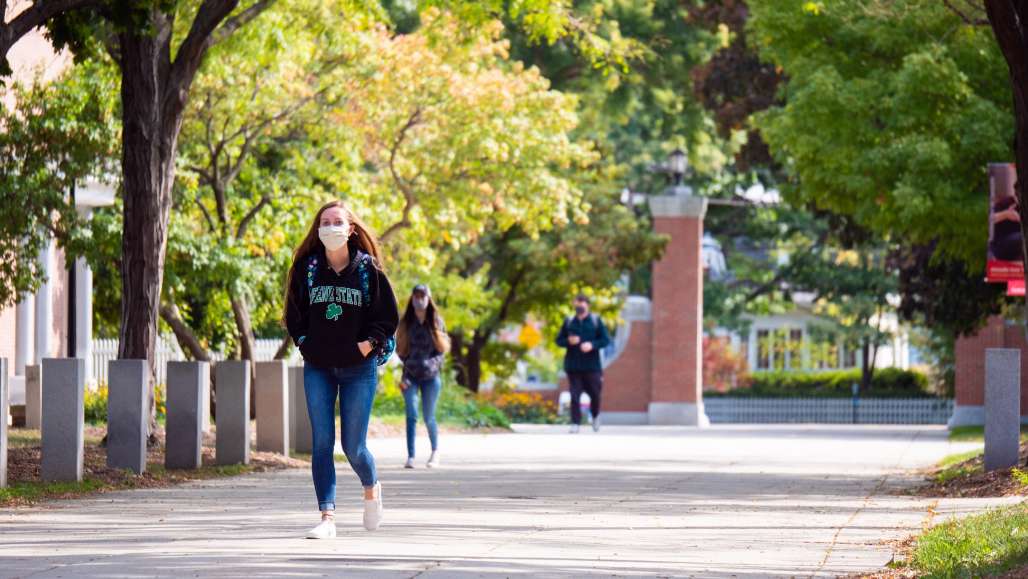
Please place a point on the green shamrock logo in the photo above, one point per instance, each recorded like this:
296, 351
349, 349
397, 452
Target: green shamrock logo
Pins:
333, 312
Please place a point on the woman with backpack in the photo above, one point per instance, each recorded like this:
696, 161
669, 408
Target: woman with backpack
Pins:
341, 313
422, 344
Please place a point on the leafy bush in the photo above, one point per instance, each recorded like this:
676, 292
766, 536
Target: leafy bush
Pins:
885, 383
95, 403
456, 405
524, 406
723, 367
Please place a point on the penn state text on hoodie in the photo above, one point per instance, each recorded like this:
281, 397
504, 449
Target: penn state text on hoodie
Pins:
329, 313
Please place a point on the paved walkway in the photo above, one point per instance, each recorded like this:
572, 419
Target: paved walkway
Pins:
631, 501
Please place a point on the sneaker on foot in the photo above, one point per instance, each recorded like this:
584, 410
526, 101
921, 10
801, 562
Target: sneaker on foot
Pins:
409, 463
326, 529
433, 461
373, 509
574, 429
596, 424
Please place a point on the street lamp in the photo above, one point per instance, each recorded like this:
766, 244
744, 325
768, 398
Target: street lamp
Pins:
677, 163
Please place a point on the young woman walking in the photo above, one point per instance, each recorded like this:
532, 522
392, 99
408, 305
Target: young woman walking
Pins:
422, 343
341, 312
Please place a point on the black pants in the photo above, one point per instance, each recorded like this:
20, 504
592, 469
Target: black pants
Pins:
589, 382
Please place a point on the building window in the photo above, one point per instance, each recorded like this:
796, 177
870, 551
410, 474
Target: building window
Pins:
763, 350
824, 355
850, 360
794, 349
779, 349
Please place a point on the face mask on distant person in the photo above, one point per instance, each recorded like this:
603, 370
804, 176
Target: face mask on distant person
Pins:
333, 236
420, 303
580, 310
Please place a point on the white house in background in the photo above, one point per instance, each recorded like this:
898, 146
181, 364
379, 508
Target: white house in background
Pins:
56, 320
798, 340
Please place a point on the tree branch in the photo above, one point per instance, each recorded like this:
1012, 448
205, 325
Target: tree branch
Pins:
967, 17
186, 339
206, 214
409, 199
190, 54
283, 349
35, 16
1006, 24
241, 19
241, 231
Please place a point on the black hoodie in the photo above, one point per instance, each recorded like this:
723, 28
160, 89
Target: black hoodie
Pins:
329, 313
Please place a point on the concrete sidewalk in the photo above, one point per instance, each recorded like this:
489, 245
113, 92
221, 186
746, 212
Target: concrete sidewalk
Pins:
631, 501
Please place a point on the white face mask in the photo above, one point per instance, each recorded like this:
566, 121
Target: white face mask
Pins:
333, 236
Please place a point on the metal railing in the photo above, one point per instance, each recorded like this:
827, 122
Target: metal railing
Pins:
829, 410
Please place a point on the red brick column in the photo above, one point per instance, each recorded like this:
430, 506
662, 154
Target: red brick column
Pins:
969, 406
677, 378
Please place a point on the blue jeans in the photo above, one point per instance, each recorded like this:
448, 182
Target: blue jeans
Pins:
355, 387
429, 396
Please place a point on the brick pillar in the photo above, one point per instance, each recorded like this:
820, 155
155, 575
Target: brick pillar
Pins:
969, 406
676, 395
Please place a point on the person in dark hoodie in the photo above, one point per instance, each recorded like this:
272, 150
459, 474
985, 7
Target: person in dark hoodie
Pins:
422, 344
341, 313
583, 335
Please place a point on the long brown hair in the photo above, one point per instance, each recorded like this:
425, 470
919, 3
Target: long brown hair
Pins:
435, 327
311, 243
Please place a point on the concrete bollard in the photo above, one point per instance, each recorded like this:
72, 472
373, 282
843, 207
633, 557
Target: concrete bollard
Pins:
1002, 407
232, 414
272, 393
5, 399
187, 391
205, 413
128, 405
33, 398
64, 382
300, 436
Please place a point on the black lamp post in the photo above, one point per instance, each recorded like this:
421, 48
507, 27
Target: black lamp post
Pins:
677, 164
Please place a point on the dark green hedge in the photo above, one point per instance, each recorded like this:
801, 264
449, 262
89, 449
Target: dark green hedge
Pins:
885, 383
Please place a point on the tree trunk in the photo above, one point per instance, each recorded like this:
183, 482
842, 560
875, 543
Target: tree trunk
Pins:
467, 359
148, 166
473, 365
283, 349
247, 345
1009, 21
186, 339
865, 366
457, 355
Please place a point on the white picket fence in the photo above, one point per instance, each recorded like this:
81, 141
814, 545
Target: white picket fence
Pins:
105, 350
828, 410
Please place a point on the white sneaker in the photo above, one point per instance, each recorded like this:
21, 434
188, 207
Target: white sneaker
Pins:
574, 429
433, 461
596, 424
409, 463
373, 509
325, 530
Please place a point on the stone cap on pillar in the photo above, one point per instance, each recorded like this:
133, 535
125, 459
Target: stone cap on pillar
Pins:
678, 206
